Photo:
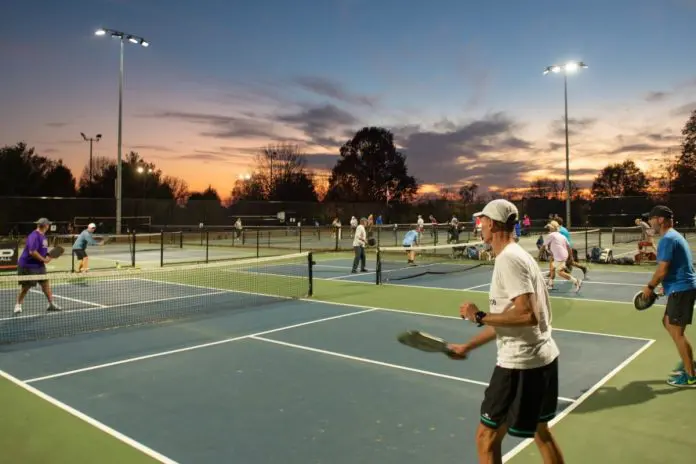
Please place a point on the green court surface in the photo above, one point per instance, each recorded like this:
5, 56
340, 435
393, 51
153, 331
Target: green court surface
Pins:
634, 417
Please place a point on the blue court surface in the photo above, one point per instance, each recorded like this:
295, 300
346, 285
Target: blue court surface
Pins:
293, 381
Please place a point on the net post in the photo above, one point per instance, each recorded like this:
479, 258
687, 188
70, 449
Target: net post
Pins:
181, 239
133, 249
587, 243
299, 231
336, 237
258, 239
72, 261
378, 268
310, 264
207, 243
162, 248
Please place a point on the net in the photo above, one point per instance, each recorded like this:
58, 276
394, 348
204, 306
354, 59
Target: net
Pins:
106, 300
392, 262
584, 240
626, 234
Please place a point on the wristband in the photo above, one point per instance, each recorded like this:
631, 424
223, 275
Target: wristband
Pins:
651, 287
480, 315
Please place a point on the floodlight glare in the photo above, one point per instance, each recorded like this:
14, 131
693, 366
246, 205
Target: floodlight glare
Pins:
100, 32
144, 43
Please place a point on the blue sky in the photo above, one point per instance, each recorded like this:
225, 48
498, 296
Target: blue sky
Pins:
459, 83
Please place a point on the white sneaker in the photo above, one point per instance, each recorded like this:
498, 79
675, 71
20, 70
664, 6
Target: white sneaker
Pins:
53, 307
18, 308
577, 285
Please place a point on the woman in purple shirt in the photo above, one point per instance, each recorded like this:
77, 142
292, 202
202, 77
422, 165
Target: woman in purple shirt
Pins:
32, 262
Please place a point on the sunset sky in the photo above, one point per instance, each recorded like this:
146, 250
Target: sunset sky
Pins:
459, 83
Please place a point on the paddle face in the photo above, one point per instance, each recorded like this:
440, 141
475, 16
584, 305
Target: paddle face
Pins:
56, 252
425, 342
641, 303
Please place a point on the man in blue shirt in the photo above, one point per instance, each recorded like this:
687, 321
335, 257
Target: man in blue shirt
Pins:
410, 240
32, 262
80, 247
675, 269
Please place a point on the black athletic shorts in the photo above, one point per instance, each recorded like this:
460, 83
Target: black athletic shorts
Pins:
80, 254
521, 398
680, 307
29, 271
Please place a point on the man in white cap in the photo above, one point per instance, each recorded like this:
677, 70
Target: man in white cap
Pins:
560, 250
80, 247
523, 392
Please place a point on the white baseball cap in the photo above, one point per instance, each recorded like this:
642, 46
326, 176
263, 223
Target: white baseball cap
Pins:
92, 225
499, 210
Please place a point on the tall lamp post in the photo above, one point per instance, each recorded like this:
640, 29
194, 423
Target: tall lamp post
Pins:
91, 140
122, 37
569, 67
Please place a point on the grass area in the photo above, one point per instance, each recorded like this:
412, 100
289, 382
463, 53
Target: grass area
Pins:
635, 417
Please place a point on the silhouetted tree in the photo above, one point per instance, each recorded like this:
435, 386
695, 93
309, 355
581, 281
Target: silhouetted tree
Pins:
24, 173
467, 192
684, 167
620, 180
209, 194
371, 169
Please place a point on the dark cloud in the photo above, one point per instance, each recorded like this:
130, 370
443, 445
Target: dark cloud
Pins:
151, 147
453, 156
636, 148
656, 96
684, 110
575, 126
56, 124
50, 151
319, 123
663, 137
224, 127
332, 89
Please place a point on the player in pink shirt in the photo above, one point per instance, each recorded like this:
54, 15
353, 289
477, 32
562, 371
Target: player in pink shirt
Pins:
559, 248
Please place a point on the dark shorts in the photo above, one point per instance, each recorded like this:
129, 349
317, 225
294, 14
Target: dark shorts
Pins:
680, 307
521, 398
30, 271
80, 254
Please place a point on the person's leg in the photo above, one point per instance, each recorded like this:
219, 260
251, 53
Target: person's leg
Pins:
46, 288
363, 260
552, 273
547, 445
356, 259
678, 314
489, 444
492, 428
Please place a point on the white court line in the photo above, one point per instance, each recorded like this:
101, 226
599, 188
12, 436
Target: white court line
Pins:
70, 299
90, 420
517, 449
444, 316
591, 300
159, 300
191, 348
381, 363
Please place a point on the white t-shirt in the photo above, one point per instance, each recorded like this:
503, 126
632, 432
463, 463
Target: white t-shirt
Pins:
515, 273
558, 245
353, 222
360, 236
420, 222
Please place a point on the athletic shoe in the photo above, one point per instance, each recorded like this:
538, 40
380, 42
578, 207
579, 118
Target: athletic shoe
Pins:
577, 286
18, 308
679, 369
53, 307
683, 381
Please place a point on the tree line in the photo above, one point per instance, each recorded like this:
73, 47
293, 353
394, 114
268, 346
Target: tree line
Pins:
369, 169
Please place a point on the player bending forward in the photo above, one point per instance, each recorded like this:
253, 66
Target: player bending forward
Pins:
523, 392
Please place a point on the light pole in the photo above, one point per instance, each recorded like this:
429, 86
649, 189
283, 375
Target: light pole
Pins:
569, 67
90, 140
122, 36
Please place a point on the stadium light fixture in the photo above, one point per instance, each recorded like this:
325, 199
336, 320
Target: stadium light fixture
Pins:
122, 36
91, 140
569, 67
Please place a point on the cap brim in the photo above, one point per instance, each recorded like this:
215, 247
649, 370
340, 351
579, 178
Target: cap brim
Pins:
479, 214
